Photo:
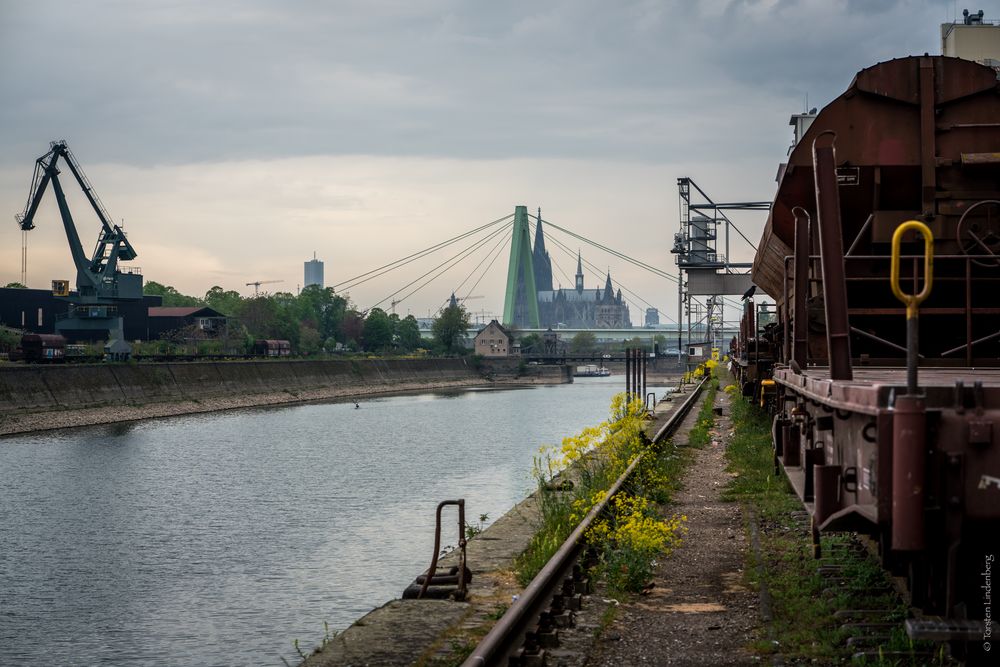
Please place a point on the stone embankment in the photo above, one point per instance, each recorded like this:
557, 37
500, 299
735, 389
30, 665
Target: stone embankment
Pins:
35, 397
429, 633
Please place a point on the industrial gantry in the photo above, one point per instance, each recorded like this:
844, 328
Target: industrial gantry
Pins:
100, 284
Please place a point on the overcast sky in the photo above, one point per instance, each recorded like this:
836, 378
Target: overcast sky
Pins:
237, 138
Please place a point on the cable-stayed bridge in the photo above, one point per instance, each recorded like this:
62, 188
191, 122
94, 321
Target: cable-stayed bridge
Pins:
464, 260
613, 312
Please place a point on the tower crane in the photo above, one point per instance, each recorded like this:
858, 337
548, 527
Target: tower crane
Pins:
101, 285
453, 301
257, 283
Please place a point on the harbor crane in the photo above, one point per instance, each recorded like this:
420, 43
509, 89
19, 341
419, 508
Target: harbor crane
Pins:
257, 283
100, 284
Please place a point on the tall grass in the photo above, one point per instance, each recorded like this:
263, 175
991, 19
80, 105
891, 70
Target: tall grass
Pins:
632, 532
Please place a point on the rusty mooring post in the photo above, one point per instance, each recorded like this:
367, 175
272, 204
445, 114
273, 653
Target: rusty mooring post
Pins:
628, 373
645, 359
429, 577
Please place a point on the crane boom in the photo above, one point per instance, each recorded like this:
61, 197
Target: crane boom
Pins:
100, 285
98, 278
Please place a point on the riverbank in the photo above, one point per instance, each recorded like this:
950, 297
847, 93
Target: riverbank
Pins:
35, 398
438, 633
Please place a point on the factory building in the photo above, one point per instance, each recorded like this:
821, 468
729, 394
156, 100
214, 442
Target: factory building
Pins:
36, 311
974, 38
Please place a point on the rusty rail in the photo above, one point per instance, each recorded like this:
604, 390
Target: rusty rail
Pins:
508, 634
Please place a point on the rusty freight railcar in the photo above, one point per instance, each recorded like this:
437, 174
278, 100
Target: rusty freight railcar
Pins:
882, 251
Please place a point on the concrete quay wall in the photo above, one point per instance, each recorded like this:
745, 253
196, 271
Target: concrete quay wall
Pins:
33, 388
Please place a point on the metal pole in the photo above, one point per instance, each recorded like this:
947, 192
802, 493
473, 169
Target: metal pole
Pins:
727, 241
635, 371
912, 334
680, 312
831, 244
687, 366
786, 339
800, 282
645, 356
628, 373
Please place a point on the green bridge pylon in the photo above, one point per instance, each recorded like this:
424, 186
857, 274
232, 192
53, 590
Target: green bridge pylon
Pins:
520, 306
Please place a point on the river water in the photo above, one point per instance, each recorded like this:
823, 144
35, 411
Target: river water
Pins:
218, 539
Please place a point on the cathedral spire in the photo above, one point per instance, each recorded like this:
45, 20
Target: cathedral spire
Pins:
539, 237
540, 258
579, 272
609, 292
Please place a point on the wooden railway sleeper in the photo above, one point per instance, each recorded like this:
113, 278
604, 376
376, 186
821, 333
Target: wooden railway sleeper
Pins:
856, 614
864, 641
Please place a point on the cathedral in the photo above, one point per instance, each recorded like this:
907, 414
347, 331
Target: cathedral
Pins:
576, 307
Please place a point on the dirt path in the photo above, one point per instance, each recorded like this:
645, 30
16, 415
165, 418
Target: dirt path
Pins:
698, 612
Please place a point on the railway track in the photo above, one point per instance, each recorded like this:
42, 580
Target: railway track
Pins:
872, 606
531, 625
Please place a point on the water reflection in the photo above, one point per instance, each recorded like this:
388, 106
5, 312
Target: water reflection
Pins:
219, 538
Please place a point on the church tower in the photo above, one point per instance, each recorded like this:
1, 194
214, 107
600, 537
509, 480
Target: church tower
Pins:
540, 259
579, 272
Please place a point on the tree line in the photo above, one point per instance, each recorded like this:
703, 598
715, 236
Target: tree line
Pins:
317, 319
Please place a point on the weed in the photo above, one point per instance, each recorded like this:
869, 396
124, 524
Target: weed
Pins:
803, 626
499, 609
461, 648
471, 530
632, 533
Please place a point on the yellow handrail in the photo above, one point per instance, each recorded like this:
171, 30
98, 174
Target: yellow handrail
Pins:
912, 301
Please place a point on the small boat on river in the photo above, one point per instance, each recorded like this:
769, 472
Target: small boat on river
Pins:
591, 371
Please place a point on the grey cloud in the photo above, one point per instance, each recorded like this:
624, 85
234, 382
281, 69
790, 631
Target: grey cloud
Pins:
177, 82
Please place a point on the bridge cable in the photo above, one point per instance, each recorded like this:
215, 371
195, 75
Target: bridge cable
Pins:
638, 263
641, 264
500, 232
451, 261
356, 280
496, 252
597, 272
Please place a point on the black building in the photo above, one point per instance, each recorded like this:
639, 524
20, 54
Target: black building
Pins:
36, 310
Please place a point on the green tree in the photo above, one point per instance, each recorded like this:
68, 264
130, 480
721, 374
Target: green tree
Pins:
9, 339
259, 314
450, 328
583, 342
226, 302
310, 341
351, 328
408, 334
15, 286
323, 309
378, 330
334, 314
661, 341
531, 343
171, 297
